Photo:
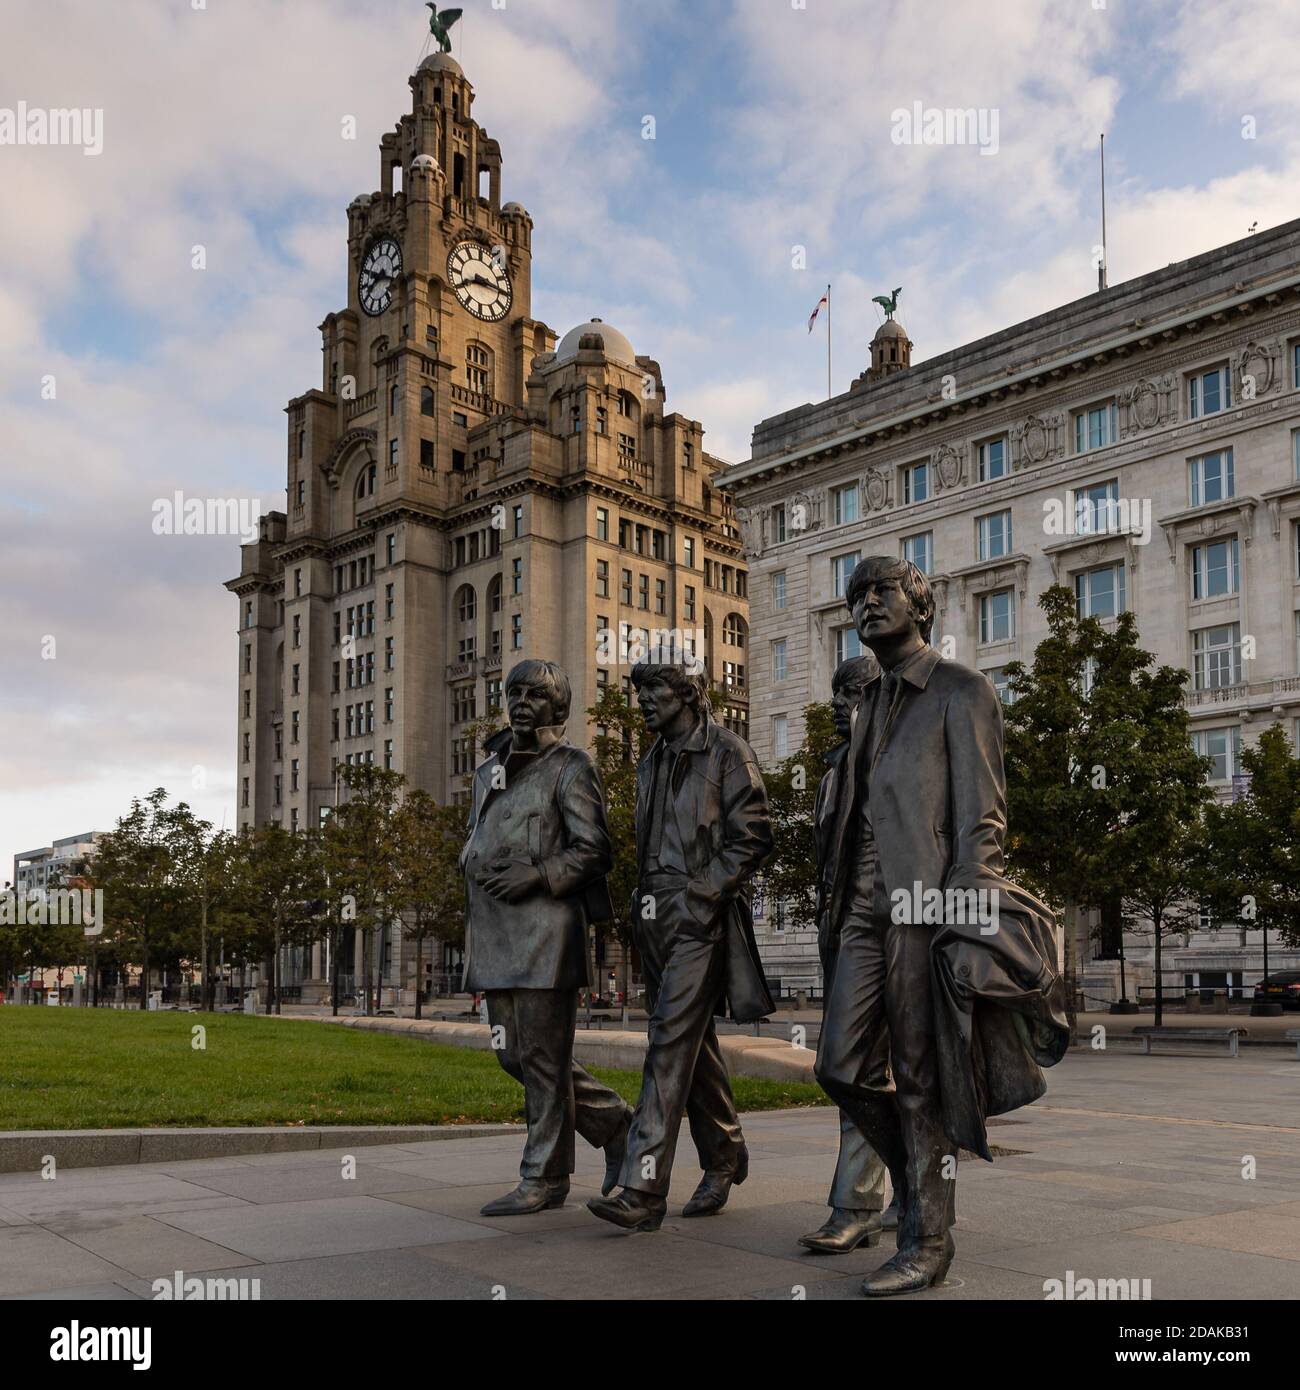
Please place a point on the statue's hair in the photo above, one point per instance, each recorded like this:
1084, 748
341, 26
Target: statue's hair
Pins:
856, 670
691, 689
548, 674
915, 585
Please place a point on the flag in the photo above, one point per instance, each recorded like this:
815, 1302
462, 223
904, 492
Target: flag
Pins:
812, 318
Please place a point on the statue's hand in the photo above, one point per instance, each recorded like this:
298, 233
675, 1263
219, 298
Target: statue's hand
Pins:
511, 881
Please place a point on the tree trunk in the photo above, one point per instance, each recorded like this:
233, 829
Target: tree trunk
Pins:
336, 949
275, 967
144, 978
205, 1002
419, 971
363, 975
1160, 974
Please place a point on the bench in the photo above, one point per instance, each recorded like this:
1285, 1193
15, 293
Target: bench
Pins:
1293, 1035
1146, 1033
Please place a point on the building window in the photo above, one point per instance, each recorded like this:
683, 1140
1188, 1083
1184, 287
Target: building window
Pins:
688, 454
516, 576
476, 369
643, 591
848, 645
916, 483
464, 704
466, 604
991, 460
388, 754
388, 654
1001, 682
778, 659
293, 775
778, 524
688, 603
1216, 656
778, 590
1223, 748
248, 703
688, 555
602, 523
388, 601
243, 800
733, 675
842, 567
277, 783
1099, 593
493, 695
297, 630
625, 588
248, 748
844, 503
516, 632
1095, 428
734, 630
1211, 478
919, 549
426, 400
661, 596
295, 679
602, 578
248, 658
297, 583
518, 522
1215, 570
388, 704
626, 448
294, 725
1096, 508
993, 534
248, 614
780, 736
997, 616
1209, 392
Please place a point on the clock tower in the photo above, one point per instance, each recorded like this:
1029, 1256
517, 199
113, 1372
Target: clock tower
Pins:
464, 491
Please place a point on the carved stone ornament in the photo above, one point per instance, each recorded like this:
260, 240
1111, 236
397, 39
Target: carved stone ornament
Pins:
947, 466
1035, 439
1256, 363
751, 538
876, 487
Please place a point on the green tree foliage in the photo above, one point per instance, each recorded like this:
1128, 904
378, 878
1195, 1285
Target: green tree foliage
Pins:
790, 874
430, 891
620, 740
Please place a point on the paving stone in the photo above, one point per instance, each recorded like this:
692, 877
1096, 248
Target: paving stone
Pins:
33, 1259
151, 1248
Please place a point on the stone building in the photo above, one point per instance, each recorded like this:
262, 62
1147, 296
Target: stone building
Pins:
1139, 445
463, 492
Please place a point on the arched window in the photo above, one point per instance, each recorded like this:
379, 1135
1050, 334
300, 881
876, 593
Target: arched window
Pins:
366, 482
426, 400
494, 594
734, 630
466, 603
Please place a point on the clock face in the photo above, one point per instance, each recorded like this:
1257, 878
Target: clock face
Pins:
379, 272
481, 283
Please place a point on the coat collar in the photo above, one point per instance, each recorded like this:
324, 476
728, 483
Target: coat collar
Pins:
916, 670
697, 741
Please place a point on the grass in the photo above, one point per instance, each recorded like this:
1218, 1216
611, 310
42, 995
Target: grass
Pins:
110, 1069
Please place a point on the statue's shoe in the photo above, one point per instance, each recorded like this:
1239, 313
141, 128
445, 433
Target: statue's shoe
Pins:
615, 1153
889, 1218
845, 1230
632, 1210
532, 1194
712, 1193
915, 1267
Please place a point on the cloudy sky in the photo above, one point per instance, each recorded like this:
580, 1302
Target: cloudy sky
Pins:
127, 374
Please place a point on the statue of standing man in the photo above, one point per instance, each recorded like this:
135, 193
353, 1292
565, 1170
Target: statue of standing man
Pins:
535, 862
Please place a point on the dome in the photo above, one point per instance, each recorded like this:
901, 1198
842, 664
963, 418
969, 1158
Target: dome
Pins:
441, 62
514, 210
891, 328
614, 345
424, 161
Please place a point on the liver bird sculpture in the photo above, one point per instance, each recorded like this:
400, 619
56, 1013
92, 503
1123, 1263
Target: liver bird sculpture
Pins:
888, 302
440, 23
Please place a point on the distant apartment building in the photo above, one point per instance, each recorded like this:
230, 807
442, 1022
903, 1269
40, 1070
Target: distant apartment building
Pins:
1141, 445
40, 869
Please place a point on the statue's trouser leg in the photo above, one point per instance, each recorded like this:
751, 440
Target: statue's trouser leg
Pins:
598, 1111
859, 1181
538, 1027
684, 967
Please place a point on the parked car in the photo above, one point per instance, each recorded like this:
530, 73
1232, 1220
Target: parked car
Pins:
1282, 988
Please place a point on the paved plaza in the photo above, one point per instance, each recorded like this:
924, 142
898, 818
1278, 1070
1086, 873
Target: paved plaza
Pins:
1130, 1168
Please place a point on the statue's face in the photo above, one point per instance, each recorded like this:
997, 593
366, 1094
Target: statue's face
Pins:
660, 705
530, 707
842, 702
882, 612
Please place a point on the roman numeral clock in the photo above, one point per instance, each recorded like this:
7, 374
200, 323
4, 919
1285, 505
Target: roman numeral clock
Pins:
480, 281
380, 270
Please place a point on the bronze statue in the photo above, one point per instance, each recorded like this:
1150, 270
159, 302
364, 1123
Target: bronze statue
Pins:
968, 996
535, 861
858, 1188
888, 302
702, 831
440, 23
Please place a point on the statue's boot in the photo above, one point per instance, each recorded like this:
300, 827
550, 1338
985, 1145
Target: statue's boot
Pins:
715, 1187
889, 1219
917, 1266
532, 1194
843, 1231
632, 1210
615, 1152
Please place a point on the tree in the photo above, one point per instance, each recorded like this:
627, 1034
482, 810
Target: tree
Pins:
430, 893
359, 859
1252, 868
138, 866
204, 874
790, 874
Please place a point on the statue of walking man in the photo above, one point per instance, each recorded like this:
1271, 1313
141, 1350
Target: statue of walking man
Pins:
535, 862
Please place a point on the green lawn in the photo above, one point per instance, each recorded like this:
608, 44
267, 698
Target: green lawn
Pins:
110, 1069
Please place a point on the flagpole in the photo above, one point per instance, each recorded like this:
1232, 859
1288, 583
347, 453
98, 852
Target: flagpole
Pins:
828, 342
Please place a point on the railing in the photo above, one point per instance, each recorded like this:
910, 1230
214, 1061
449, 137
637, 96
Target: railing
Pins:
361, 404
490, 664
1244, 690
476, 400
459, 670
